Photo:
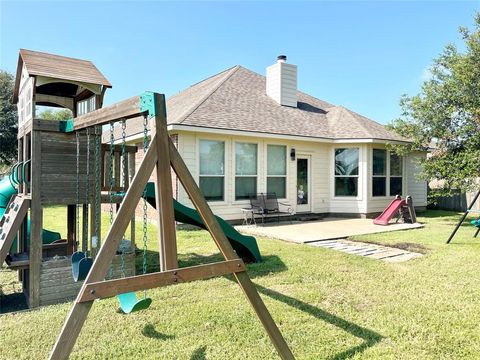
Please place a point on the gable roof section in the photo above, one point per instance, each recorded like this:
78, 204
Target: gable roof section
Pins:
56, 66
236, 100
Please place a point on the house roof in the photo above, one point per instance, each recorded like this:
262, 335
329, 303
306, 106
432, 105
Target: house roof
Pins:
236, 100
59, 67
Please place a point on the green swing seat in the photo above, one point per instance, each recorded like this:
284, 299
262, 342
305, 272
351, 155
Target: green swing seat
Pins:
81, 265
130, 303
476, 223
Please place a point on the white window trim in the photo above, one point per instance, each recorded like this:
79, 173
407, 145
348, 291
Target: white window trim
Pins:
359, 176
386, 176
234, 170
225, 170
286, 176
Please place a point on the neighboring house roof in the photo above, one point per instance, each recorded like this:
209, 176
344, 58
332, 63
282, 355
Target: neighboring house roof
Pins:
59, 67
236, 99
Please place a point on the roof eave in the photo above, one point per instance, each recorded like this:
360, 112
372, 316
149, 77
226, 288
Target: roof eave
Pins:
16, 87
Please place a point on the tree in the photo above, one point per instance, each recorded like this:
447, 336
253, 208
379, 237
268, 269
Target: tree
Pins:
445, 116
62, 114
8, 120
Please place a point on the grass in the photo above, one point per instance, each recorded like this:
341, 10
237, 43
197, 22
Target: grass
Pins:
328, 305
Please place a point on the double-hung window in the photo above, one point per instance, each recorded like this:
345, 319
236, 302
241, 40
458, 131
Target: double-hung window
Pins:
396, 174
379, 173
387, 176
277, 170
346, 172
245, 170
212, 169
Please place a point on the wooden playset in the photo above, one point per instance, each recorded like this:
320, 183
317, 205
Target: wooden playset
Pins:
65, 163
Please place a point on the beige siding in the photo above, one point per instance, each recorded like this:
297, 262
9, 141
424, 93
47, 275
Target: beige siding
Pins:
415, 187
230, 208
321, 175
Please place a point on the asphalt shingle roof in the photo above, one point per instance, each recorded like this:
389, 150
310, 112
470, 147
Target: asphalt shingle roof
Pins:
236, 99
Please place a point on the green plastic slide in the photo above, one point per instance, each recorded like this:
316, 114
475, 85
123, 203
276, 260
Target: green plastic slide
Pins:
245, 246
7, 190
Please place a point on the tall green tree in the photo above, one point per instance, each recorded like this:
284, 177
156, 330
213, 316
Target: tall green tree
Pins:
445, 116
8, 120
61, 114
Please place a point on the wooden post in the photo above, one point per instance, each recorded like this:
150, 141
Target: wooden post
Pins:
36, 221
163, 190
84, 227
71, 229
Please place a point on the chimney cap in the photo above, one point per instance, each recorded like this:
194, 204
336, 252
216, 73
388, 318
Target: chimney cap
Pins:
282, 57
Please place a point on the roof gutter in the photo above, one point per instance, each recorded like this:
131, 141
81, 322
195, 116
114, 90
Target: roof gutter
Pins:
257, 134
198, 129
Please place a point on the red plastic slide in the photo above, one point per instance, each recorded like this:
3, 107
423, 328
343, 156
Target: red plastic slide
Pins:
390, 211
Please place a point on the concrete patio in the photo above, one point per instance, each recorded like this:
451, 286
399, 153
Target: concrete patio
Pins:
325, 229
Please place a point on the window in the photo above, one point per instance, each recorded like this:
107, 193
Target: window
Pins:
396, 173
346, 172
379, 180
212, 169
86, 106
386, 175
277, 170
245, 170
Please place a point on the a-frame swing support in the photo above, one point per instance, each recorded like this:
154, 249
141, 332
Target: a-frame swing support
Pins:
464, 216
161, 154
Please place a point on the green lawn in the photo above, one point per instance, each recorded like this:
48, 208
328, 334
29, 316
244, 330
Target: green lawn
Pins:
328, 304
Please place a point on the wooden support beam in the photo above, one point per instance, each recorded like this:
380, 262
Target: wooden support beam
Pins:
71, 229
85, 227
118, 148
105, 289
36, 222
125, 109
163, 190
72, 326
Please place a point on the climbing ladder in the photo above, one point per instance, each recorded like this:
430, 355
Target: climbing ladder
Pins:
10, 223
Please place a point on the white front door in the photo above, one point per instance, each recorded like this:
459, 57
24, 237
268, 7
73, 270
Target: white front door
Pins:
304, 194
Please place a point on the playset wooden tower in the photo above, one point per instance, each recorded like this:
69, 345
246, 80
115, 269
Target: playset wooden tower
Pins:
54, 168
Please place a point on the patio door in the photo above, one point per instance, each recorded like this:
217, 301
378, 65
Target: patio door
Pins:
304, 194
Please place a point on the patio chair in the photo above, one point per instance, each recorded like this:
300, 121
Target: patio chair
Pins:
267, 205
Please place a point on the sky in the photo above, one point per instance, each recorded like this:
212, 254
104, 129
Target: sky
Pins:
362, 55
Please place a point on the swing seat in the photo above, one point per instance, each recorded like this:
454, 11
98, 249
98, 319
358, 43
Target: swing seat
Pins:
81, 265
476, 223
130, 303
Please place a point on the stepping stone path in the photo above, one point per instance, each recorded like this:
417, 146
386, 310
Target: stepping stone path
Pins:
372, 251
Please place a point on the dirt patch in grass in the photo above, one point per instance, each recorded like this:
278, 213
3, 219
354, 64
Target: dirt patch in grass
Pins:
407, 246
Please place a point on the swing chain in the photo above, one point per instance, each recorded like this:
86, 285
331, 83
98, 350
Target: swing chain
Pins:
87, 186
111, 183
110, 170
77, 214
145, 147
97, 186
124, 166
